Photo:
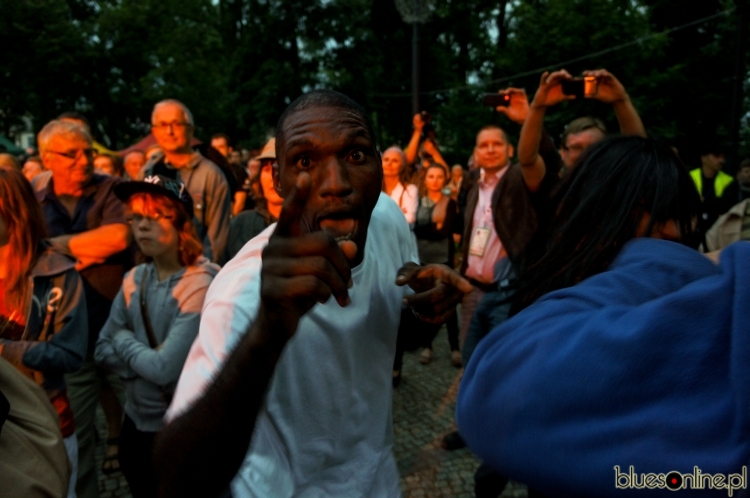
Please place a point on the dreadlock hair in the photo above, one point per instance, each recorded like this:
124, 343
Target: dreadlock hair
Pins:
617, 182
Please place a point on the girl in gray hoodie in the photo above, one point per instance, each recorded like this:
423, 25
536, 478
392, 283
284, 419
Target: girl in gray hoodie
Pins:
155, 317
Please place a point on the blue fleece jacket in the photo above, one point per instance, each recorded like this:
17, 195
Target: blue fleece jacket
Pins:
646, 364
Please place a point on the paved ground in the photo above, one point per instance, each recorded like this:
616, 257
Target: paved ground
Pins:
423, 411
423, 408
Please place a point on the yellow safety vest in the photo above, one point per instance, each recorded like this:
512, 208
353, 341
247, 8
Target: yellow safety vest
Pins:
721, 182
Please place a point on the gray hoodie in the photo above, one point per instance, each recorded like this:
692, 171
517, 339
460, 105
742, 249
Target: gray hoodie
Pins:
174, 307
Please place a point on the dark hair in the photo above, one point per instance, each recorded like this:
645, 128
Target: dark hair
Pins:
222, 135
711, 146
319, 99
744, 164
118, 164
76, 116
24, 222
495, 127
617, 182
579, 125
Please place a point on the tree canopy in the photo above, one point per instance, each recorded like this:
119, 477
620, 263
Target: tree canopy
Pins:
238, 63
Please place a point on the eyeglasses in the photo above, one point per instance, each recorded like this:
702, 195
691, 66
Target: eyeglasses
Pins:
175, 126
74, 155
138, 218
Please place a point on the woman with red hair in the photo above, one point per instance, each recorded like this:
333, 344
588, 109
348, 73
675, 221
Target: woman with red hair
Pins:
43, 325
155, 316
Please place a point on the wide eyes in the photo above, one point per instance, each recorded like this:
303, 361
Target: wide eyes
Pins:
356, 156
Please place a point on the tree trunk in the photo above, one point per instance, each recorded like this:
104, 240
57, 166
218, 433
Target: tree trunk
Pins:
502, 24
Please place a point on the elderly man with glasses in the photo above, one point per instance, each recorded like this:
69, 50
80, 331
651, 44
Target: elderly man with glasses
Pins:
84, 219
172, 126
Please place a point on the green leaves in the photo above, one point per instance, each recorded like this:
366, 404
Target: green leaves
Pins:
238, 63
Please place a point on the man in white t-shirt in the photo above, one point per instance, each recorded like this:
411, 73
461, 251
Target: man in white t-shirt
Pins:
305, 314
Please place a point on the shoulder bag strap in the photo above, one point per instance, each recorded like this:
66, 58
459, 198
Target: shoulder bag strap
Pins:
144, 313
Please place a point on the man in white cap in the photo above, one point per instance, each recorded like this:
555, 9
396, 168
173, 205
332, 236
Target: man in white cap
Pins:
268, 202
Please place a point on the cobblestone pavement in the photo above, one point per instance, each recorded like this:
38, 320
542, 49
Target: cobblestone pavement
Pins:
423, 408
112, 485
423, 412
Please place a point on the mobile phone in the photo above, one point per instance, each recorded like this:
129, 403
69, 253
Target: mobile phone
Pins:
496, 100
580, 87
573, 87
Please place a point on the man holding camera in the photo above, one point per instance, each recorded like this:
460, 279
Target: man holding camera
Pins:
581, 133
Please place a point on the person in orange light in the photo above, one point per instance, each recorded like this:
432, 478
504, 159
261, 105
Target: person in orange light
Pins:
43, 323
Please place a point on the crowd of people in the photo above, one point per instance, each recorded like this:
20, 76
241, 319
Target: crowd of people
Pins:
241, 316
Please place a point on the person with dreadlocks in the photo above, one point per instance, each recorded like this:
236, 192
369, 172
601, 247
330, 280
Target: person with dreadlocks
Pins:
613, 355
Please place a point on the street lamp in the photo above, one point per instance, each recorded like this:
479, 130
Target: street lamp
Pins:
414, 12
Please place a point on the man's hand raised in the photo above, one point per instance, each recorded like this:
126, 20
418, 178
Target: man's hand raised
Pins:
609, 89
417, 122
518, 108
550, 91
301, 268
438, 289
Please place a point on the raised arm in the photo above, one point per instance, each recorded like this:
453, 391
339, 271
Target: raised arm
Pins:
412, 149
611, 91
199, 452
431, 148
548, 94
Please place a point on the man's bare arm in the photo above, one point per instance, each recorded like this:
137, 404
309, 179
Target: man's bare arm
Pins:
431, 148
94, 246
200, 451
549, 93
412, 149
611, 91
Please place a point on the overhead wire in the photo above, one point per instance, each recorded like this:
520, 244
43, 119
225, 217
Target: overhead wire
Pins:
479, 86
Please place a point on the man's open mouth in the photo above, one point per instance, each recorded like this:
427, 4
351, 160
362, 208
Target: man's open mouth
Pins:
339, 228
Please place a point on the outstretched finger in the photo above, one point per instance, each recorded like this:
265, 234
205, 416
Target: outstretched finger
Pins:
445, 275
294, 204
406, 273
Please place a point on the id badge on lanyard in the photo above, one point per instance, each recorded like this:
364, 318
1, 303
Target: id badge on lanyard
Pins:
480, 236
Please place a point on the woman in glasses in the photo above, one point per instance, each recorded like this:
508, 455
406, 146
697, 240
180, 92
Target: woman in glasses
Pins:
154, 317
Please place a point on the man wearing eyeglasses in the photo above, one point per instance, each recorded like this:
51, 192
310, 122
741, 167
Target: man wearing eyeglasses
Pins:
84, 219
173, 127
